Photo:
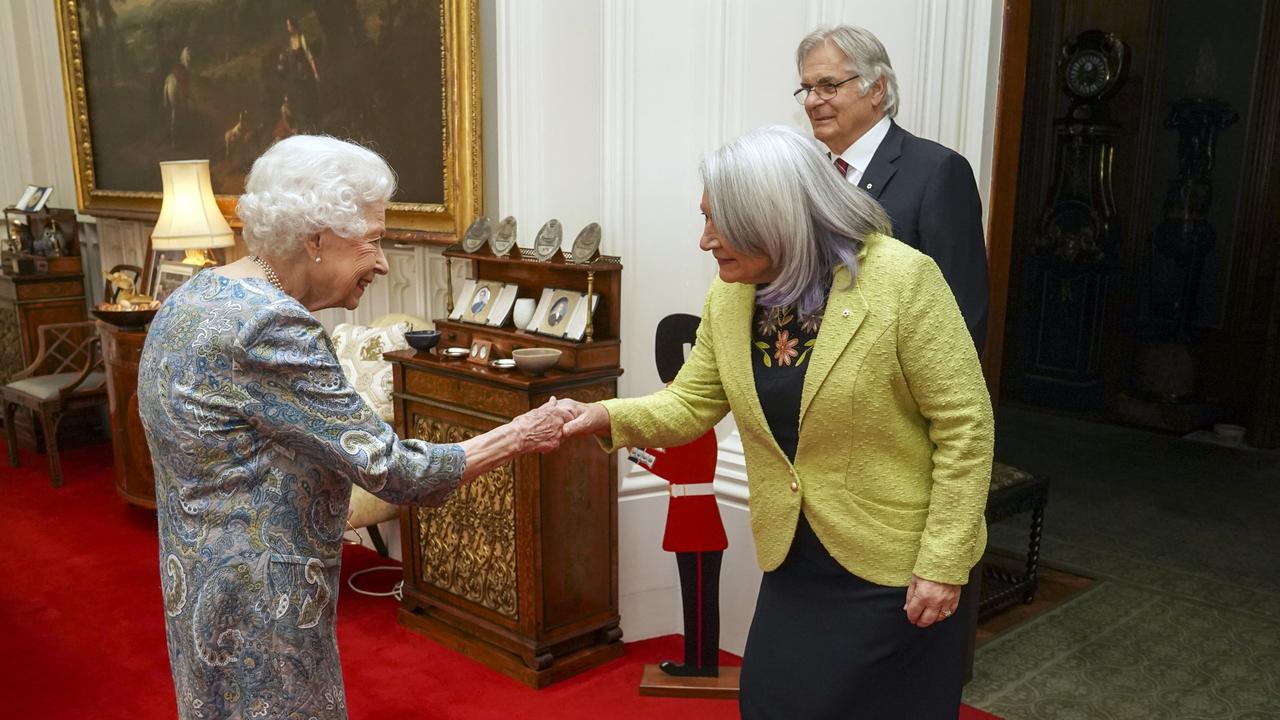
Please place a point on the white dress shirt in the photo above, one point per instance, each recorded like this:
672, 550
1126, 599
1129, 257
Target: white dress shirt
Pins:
859, 154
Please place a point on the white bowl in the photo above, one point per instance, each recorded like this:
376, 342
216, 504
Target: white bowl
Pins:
535, 361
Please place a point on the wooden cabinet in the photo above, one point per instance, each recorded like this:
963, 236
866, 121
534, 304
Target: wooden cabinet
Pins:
518, 570
135, 478
26, 303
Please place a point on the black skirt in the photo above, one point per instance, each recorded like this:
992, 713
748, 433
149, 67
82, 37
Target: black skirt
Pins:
825, 643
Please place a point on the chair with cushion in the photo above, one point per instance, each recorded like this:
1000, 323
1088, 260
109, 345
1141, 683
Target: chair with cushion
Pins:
359, 350
66, 375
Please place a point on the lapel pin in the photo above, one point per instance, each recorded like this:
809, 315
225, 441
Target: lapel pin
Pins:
868, 186
845, 312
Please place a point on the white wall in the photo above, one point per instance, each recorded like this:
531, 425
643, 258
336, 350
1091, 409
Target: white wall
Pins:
603, 112
599, 110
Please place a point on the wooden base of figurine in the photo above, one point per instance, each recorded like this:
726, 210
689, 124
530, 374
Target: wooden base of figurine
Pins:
724, 686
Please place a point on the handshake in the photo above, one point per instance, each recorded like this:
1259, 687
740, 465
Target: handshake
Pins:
545, 427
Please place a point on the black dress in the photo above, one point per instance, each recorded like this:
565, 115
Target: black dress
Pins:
824, 643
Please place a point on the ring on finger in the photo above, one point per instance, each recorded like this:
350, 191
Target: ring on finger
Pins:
946, 613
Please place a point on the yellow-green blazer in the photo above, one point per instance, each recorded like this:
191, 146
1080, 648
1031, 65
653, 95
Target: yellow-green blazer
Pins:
896, 430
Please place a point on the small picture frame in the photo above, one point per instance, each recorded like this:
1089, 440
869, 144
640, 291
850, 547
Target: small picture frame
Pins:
480, 352
168, 276
477, 306
576, 328
555, 311
24, 202
38, 201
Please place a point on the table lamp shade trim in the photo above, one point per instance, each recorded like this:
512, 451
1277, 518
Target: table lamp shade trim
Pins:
189, 214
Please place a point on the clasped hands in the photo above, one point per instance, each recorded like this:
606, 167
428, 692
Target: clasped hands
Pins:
543, 428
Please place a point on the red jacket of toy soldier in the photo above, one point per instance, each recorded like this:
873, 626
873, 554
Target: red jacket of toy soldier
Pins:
693, 516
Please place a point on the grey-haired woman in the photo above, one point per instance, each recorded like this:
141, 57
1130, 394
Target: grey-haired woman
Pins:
867, 430
257, 437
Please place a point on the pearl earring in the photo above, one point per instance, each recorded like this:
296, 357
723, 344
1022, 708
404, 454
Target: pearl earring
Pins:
317, 258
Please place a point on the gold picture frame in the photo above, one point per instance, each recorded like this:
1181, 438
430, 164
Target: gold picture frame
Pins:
89, 78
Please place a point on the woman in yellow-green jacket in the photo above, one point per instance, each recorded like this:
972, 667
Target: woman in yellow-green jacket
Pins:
867, 429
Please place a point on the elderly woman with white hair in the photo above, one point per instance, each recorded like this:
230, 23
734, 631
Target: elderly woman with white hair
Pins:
257, 437
867, 430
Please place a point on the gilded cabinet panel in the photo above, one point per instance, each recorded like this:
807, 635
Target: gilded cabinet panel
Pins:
467, 546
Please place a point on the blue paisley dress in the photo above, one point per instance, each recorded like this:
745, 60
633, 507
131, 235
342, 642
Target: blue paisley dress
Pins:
256, 437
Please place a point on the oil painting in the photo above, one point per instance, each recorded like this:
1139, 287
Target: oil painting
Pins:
224, 79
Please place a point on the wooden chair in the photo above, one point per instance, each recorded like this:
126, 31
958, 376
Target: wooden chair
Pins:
66, 375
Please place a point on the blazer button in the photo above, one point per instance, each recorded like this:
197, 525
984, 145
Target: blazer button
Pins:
795, 486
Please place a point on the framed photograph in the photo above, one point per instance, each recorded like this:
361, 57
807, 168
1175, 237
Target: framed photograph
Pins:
502, 305
576, 328
480, 351
24, 202
554, 315
153, 80
154, 258
169, 276
37, 202
481, 301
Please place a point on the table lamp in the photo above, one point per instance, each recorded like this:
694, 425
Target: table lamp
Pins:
189, 216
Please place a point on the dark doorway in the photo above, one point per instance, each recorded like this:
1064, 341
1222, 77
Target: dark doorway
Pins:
1144, 282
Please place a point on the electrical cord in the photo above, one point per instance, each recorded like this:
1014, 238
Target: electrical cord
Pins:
396, 591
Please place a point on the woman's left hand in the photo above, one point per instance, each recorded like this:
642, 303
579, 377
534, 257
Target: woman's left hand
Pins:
929, 602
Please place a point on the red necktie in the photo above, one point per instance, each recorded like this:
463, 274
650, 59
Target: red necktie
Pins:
843, 167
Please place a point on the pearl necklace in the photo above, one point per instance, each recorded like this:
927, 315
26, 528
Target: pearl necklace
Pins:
268, 271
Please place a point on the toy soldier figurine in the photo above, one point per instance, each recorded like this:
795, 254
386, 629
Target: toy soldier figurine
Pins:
696, 535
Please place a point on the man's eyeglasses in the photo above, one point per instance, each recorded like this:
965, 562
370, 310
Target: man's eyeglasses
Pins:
824, 90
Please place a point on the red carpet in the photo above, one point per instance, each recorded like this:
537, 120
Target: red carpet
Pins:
82, 630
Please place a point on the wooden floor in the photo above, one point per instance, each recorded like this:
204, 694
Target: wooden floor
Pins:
1054, 587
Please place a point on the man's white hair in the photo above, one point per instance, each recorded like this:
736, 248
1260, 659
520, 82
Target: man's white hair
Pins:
865, 55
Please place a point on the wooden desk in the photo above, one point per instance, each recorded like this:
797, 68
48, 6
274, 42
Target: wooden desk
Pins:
519, 569
135, 478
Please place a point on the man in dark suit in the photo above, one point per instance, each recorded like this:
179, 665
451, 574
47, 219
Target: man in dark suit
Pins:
850, 93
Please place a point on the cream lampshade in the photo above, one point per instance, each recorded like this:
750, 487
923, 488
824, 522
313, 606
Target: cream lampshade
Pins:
189, 216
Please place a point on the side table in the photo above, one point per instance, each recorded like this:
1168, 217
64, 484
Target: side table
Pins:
135, 478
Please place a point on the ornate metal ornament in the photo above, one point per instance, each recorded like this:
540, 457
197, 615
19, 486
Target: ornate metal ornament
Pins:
548, 240
586, 245
504, 239
477, 234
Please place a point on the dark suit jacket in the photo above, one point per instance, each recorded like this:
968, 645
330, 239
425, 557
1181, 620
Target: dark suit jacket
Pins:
930, 194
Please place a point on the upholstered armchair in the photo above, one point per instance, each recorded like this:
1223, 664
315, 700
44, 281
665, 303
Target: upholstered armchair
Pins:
359, 350
66, 375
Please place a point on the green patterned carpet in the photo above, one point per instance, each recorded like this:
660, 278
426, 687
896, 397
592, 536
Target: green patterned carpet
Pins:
1185, 541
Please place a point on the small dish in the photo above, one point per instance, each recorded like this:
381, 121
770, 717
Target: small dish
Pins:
502, 364
456, 352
